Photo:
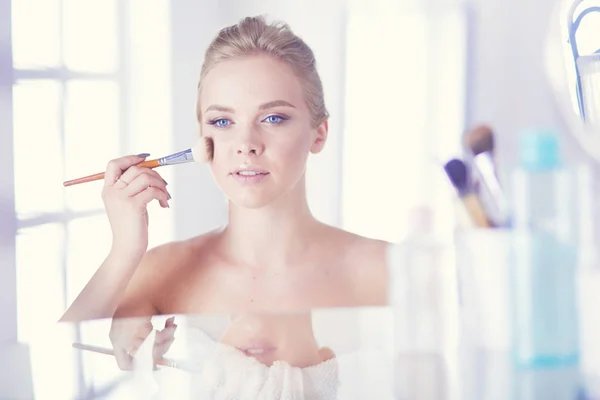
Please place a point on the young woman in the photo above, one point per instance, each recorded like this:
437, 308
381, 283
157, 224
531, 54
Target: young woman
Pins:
260, 100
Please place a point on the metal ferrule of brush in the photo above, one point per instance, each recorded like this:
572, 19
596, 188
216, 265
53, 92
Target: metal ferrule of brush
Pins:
185, 156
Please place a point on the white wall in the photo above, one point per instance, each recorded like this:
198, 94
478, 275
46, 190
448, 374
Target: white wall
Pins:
197, 202
509, 88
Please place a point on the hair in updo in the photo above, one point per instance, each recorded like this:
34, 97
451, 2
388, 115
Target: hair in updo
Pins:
253, 35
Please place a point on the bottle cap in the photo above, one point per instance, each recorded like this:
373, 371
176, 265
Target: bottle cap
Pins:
539, 150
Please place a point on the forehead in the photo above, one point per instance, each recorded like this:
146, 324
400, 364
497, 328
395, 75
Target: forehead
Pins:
249, 82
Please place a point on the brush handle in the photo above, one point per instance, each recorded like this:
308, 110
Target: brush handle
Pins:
475, 210
101, 350
96, 177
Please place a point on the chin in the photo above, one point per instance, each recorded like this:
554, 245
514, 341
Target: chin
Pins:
254, 197
251, 201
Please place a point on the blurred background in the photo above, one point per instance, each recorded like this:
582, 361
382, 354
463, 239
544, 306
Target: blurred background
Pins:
85, 81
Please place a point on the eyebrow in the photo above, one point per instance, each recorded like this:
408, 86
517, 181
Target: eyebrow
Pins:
270, 104
276, 103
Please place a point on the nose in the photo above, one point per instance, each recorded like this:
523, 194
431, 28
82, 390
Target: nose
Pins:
250, 143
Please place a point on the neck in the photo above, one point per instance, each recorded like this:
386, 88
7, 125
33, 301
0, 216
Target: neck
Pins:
270, 236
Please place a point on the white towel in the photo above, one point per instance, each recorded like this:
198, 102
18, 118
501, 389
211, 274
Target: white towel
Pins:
215, 371
229, 374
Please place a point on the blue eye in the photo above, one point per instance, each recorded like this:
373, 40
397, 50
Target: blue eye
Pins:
274, 119
219, 123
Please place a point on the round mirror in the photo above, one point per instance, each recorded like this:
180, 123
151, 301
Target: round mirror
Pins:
573, 69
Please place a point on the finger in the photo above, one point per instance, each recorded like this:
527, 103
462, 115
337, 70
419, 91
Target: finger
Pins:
133, 349
170, 322
116, 167
134, 171
143, 182
165, 334
133, 345
150, 194
161, 349
124, 360
144, 330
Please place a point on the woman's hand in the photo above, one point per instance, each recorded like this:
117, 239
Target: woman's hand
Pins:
127, 191
128, 334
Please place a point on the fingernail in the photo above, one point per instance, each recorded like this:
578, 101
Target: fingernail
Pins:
169, 194
143, 155
166, 183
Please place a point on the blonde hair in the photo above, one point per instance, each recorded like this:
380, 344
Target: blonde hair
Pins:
253, 35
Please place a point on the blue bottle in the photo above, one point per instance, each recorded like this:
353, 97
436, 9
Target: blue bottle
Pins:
543, 271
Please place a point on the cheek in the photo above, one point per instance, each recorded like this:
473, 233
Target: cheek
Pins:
221, 150
295, 150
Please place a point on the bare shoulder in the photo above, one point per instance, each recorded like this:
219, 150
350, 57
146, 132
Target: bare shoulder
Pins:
162, 265
366, 261
177, 254
356, 247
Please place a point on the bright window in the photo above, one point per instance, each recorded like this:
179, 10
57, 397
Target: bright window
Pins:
405, 105
91, 82
66, 115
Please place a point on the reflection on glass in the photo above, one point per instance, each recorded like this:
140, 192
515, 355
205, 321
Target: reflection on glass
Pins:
254, 356
99, 371
38, 147
271, 355
91, 136
270, 338
88, 243
40, 289
90, 35
35, 34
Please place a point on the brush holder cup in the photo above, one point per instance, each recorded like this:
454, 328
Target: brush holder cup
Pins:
482, 265
519, 291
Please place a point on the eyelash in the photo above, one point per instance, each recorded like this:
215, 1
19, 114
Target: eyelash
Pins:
282, 119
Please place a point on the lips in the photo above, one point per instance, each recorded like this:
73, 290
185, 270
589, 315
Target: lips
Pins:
250, 171
249, 175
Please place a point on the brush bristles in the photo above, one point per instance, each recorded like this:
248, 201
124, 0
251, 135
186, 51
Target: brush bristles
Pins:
458, 174
203, 151
480, 140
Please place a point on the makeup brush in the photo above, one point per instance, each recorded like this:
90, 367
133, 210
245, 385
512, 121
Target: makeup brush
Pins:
101, 350
458, 174
202, 152
480, 141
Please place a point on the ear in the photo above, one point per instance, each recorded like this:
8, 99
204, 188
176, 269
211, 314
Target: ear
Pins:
320, 137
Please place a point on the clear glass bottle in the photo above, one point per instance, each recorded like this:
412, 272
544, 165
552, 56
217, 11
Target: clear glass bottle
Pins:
417, 297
